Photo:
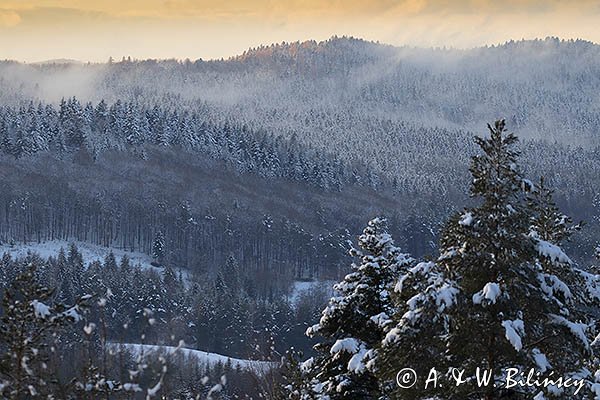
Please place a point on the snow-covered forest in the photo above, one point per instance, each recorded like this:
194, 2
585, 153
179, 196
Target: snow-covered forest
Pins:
172, 228
501, 296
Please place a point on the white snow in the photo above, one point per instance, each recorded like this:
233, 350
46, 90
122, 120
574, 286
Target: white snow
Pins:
132, 387
356, 363
154, 390
421, 268
577, 328
349, 345
592, 282
595, 341
307, 365
513, 332
392, 336
466, 219
313, 330
89, 328
490, 292
527, 185
40, 309
541, 360
203, 358
73, 312
89, 252
301, 288
445, 297
381, 319
551, 284
553, 252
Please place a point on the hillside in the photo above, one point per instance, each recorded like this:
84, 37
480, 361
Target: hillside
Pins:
318, 136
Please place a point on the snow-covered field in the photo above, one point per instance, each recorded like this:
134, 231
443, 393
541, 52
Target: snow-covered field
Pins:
90, 252
203, 358
301, 288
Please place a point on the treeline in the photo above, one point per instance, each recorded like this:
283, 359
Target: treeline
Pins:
88, 130
195, 240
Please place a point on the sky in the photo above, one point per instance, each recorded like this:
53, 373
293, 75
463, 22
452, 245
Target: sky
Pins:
86, 30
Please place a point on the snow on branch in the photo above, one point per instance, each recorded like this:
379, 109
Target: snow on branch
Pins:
489, 293
514, 331
577, 328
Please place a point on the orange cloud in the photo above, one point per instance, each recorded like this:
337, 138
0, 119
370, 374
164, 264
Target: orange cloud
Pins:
95, 30
9, 18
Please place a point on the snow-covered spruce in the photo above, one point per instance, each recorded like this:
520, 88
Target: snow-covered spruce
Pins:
422, 296
355, 320
502, 292
512, 280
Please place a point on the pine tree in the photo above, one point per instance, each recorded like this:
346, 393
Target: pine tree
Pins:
231, 275
158, 247
110, 263
418, 328
354, 322
292, 377
512, 303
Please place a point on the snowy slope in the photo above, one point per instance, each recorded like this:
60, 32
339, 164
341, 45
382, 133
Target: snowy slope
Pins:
89, 252
204, 359
300, 288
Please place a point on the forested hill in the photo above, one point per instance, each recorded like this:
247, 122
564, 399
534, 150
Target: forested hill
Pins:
280, 154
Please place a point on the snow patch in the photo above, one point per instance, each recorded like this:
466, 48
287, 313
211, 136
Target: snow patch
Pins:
466, 219
592, 283
356, 363
381, 319
490, 292
577, 328
203, 358
348, 345
445, 297
552, 251
541, 360
513, 332
89, 252
301, 288
551, 284
40, 309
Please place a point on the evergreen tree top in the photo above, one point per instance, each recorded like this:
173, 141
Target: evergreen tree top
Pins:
496, 175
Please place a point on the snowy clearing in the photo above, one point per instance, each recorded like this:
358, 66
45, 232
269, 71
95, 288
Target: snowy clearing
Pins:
301, 288
89, 252
203, 358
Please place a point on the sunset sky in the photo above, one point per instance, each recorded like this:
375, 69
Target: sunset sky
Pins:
35, 30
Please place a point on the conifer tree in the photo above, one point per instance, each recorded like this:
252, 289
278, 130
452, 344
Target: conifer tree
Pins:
502, 293
158, 247
355, 320
415, 336
512, 302
110, 263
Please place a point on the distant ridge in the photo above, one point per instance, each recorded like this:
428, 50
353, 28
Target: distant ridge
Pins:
58, 61
296, 50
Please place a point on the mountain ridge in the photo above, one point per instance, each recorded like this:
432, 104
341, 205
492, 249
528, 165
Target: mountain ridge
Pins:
335, 42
